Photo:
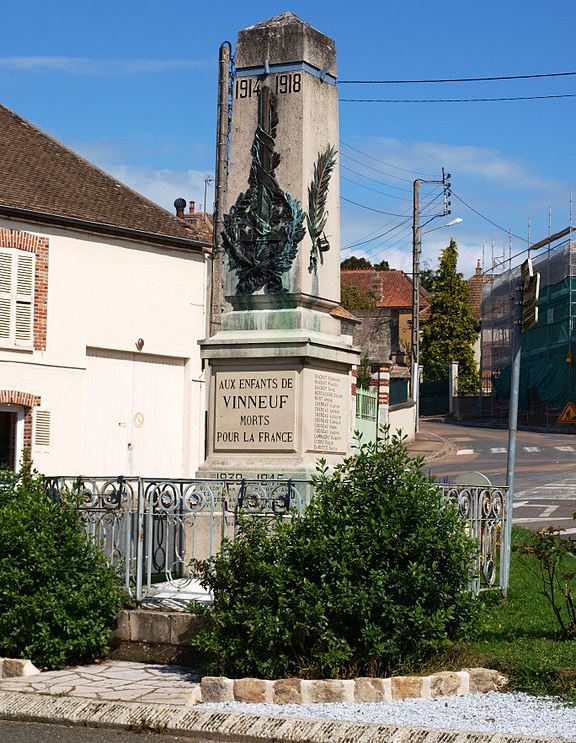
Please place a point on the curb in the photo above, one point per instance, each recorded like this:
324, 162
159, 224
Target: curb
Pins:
222, 726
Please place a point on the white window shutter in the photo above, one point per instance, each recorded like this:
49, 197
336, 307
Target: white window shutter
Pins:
42, 432
6, 271
24, 305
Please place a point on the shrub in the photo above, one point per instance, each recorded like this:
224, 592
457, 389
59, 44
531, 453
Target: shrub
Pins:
58, 597
372, 579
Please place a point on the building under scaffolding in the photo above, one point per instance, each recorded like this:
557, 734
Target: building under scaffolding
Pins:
547, 376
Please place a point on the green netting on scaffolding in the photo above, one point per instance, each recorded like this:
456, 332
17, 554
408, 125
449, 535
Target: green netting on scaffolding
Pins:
547, 377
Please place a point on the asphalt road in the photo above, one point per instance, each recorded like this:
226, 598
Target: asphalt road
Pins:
545, 473
28, 732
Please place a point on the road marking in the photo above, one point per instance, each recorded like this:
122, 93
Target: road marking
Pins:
564, 448
548, 511
532, 448
531, 520
521, 504
498, 450
464, 451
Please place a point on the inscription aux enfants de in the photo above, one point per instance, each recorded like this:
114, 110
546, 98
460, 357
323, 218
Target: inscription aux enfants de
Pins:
255, 410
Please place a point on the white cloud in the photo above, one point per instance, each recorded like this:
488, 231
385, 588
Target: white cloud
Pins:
428, 158
87, 66
164, 186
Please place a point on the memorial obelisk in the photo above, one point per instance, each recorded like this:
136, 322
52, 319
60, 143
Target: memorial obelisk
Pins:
279, 368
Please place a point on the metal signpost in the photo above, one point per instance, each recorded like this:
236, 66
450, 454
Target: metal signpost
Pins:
526, 310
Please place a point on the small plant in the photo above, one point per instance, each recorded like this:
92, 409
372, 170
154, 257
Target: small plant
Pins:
58, 597
371, 579
556, 561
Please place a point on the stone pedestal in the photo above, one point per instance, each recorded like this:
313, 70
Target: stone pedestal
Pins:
279, 368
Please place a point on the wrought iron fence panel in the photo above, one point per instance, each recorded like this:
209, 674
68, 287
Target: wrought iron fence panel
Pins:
108, 508
484, 511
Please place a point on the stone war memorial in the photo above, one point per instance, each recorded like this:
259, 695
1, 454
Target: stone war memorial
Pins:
279, 368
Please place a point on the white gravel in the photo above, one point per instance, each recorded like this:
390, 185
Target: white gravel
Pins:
518, 714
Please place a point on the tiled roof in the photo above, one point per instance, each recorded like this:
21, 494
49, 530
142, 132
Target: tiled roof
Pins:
390, 288
41, 175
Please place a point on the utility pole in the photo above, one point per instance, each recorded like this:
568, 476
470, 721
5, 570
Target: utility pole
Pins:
416, 253
416, 250
221, 176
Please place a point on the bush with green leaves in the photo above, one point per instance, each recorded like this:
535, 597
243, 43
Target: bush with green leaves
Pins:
58, 597
370, 580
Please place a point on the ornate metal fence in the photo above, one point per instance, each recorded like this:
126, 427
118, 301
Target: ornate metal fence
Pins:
484, 510
152, 528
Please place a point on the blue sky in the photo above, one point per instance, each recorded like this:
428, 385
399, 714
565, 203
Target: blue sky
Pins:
133, 88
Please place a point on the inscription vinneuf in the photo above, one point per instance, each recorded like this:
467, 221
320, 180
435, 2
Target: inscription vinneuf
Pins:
255, 411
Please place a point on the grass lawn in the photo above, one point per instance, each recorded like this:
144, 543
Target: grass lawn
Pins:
519, 636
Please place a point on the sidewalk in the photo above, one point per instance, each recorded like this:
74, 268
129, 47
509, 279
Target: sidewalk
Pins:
152, 698
430, 445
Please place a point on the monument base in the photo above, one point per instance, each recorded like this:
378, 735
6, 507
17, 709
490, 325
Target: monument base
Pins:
279, 401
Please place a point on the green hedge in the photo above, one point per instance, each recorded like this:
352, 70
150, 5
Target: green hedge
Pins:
371, 580
58, 597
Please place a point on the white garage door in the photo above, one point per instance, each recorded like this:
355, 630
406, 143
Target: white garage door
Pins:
134, 414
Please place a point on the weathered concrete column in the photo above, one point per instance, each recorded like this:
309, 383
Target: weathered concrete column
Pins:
280, 366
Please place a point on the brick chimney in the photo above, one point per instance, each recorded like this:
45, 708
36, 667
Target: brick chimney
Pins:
192, 207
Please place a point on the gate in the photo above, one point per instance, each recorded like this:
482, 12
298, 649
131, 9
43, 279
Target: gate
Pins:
366, 414
434, 398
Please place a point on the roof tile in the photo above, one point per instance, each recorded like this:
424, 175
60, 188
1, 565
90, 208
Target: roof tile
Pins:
39, 173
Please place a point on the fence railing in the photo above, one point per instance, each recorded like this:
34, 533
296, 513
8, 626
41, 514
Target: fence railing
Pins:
152, 529
484, 510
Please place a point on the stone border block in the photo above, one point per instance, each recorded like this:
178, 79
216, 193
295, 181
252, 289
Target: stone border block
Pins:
253, 691
448, 683
14, 667
372, 690
406, 687
485, 679
217, 689
327, 691
287, 691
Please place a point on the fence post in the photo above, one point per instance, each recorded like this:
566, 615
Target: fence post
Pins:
139, 542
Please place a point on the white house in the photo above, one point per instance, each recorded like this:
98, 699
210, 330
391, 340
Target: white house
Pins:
102, 302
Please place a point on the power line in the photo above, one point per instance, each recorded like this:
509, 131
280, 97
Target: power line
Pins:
379, 170
371, 208
375, 180
456, 100
377, 237
370, 188
390, 165
457, 79
518, 237
400, 224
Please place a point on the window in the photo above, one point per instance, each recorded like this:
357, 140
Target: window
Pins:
16, 297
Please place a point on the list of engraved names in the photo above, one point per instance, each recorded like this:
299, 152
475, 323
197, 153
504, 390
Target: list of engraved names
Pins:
330, 409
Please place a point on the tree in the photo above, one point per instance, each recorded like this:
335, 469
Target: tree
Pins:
427, 278
382, 266
353, 263
451, 332
353, 298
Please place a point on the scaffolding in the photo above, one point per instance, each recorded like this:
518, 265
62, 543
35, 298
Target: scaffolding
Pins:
547, 375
